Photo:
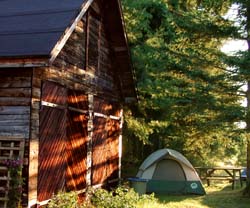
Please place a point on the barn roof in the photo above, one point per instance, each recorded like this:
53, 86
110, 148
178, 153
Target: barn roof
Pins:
33, 27
33, 32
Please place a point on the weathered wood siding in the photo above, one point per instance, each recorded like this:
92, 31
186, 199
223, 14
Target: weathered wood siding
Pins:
85, 62
15, 99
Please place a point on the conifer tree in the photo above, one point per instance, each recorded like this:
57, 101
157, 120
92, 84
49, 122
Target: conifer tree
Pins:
241, 63
188, 99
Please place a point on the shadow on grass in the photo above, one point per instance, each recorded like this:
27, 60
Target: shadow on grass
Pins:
218, 196
222, 196
165, 198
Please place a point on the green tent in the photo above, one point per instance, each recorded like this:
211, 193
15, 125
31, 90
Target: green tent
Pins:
168, 171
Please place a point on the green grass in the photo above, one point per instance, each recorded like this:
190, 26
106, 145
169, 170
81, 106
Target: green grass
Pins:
218, 196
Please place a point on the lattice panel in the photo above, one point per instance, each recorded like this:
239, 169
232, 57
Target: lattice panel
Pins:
10, 148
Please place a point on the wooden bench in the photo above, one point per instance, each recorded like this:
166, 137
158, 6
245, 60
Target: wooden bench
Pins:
218, 178
233, 174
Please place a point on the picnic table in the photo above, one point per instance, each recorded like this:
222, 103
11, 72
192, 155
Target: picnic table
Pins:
232, 174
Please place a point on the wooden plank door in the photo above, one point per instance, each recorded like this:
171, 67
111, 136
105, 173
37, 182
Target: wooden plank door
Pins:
105, 143
52, 160
77, 135
52, 145
63, 140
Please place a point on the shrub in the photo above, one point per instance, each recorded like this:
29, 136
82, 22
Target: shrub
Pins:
68, 200
15, 185
64, 200
120, 197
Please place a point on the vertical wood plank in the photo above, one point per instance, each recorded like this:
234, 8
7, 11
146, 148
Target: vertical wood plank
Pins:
77, 139
105, 142
89, 141
52, 149
52, 142
93, 27
76, 151
34, 139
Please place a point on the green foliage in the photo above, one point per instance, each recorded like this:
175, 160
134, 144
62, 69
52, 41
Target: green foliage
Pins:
217, 6
64, 200
240, 63
137, 127
15, 185
121, 197
188, 100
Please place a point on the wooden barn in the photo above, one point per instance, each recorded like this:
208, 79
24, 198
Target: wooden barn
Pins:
65, 74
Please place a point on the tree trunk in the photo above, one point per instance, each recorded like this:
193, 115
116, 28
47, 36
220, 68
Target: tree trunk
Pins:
246, 5
247, 189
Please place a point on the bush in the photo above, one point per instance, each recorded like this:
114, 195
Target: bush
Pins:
64, 200
120, 197
15, 185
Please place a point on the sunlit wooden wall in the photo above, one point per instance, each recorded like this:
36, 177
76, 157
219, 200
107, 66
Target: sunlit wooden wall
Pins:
65, 141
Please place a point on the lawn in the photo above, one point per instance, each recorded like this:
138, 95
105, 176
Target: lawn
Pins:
218, 196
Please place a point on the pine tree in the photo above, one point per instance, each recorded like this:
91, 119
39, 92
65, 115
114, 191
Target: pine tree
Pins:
188, 100
241, 62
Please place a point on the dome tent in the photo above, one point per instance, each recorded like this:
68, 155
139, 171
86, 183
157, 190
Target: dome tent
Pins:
168, 171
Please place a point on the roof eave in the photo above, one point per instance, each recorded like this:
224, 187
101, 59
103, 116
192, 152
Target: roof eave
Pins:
30, 61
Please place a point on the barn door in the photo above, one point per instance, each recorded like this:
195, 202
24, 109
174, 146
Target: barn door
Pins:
77, 135
105, 143
63, 140
52, 146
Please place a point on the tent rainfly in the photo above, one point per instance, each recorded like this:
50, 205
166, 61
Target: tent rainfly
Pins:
168, 171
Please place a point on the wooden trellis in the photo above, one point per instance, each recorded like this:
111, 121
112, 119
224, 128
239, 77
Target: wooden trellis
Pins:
10, 148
